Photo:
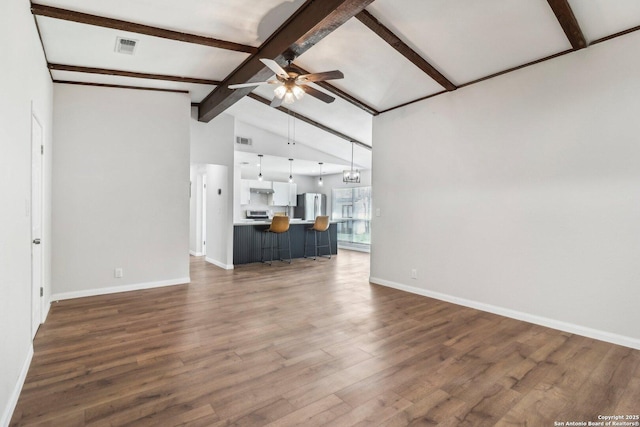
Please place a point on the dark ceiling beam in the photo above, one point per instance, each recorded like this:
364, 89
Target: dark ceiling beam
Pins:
312, 122
314, 20
342, 94
105, 71
394, 41
568, 22
119, 86
100, 21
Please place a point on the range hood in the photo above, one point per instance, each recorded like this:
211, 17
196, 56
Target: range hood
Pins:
261, 190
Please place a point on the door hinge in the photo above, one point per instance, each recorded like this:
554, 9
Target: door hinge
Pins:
204, 243
42, 149
41, 292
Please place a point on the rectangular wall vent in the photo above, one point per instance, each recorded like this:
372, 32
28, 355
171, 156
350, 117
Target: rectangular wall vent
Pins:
126, 46
243, 141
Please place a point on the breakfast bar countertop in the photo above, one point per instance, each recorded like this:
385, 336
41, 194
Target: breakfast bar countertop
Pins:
248, 235
293, 221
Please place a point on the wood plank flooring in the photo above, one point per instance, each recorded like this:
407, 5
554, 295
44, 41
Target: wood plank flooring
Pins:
311, 344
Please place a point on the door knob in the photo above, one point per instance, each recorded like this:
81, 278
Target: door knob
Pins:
36, 241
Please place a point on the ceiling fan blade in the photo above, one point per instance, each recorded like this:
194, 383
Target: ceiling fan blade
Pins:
275, 67
276, 102
319, 77
318, 94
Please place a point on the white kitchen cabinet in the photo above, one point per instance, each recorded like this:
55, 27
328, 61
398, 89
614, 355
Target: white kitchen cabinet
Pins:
246, 185
284, 194
293, 197
263, 185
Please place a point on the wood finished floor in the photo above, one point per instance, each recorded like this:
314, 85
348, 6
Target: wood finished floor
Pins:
310, 344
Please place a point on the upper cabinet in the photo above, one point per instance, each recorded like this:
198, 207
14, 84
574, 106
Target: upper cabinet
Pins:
257, 184
249, 187
284, 194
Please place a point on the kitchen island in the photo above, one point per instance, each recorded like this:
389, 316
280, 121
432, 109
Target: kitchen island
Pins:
247, 240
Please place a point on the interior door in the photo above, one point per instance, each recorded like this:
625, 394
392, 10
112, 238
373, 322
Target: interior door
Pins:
36, 224
204, 214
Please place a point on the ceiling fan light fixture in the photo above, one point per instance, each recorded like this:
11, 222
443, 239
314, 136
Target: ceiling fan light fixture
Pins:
289, 98
297, 91
280, 91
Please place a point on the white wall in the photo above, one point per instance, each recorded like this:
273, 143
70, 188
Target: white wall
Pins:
120, 189
24, 84
212, 143
521, 194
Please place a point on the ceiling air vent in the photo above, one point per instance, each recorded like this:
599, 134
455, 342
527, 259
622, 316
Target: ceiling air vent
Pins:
126, 46
243, 141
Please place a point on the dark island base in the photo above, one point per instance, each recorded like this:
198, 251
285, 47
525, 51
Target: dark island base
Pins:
247, 242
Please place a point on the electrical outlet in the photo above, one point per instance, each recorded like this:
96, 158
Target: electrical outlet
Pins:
414, 273
118, 273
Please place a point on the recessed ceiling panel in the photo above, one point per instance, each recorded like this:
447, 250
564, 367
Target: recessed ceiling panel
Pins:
70, 43
601, 18
240, 21
339, 115
196, 91
468, 39
374, 72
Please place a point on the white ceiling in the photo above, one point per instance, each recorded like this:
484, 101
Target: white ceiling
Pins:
464, 40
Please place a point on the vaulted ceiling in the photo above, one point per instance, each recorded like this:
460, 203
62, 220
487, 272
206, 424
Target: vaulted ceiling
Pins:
392, 52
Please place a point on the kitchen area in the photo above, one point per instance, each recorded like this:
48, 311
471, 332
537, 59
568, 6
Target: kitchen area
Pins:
262, 176
260, 201
275, 176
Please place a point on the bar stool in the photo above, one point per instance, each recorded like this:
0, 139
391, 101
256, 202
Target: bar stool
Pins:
321, 225
279, 226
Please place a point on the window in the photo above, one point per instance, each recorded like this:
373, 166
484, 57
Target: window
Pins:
352, 206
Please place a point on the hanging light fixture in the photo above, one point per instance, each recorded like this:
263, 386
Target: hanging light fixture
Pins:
351, 176
260, 174
290, 170
290, 91
320, 179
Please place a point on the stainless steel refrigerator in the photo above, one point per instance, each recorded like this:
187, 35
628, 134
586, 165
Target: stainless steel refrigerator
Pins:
310, 205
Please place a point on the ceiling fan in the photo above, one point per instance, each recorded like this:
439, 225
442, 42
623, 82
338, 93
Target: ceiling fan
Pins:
292, 84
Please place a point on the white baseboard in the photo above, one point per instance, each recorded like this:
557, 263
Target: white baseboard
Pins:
518, 315
219, 264
194, 253
116, 289
13, 399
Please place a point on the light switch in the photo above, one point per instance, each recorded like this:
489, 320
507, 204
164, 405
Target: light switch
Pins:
377, 211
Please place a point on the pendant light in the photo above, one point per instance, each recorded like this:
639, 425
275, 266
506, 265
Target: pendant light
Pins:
290, 170
260, 174
320, 179
351, 176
